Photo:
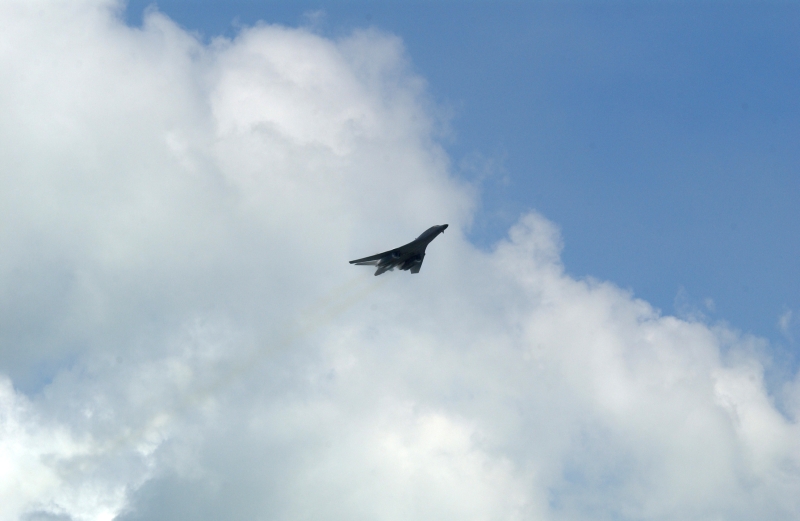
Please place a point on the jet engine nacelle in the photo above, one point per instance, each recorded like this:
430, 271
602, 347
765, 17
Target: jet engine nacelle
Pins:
411, 262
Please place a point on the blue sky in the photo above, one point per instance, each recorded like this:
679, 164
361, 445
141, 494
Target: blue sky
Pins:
661, 137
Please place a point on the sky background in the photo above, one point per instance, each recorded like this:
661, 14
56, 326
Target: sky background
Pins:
606, 330
661, 137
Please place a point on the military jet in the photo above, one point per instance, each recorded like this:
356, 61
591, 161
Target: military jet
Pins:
408, 257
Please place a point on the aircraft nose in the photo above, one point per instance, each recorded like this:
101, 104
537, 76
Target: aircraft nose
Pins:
444, 227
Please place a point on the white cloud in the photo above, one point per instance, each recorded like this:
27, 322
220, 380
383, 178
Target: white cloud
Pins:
186, 340
785, 324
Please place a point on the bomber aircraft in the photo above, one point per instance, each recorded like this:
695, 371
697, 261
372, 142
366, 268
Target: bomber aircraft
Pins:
408, 257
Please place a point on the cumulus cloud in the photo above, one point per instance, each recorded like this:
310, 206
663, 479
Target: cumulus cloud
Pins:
182, 337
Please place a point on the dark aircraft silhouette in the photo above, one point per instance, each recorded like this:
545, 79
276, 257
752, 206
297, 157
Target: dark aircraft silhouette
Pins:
408, 257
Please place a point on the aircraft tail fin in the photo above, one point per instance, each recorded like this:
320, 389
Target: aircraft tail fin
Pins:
384, 269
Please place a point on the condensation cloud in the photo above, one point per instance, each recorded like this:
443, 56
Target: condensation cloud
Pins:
181, 336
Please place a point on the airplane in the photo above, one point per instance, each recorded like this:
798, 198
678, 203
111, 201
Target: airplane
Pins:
408, 257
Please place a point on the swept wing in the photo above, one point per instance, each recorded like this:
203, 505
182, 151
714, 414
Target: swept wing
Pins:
373, 259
